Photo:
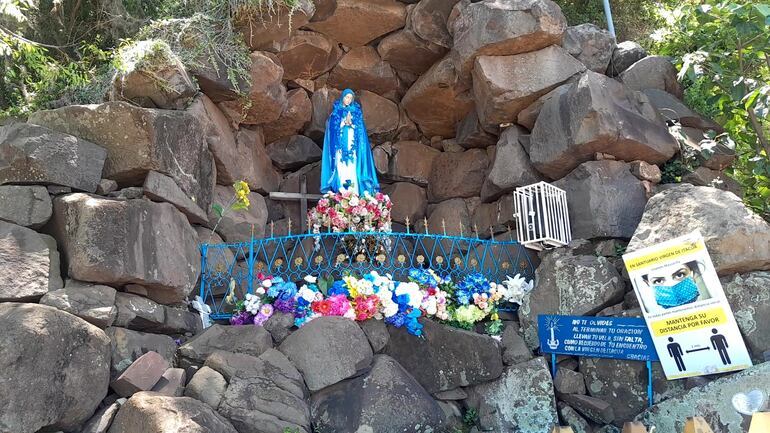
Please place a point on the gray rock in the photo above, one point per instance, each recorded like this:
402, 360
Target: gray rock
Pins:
749, 297
237, 226
510, 167
605, 199
28, 206
591, 45
108, 241
130, 193
457, 175
161, 188
595, 409
573, 419
528, 116
671, 108
570, 284
515, 349
521, 401
102, 419
328, 350
601, 110
127, 346
703, 176
503, 29
58, 190
713, 402
29, 262
377, 333
411, 161
250, 340
441, 361
171, 383
737, 239
618, 383
269, 397
470, 133
148, 412
654, 72
292, 153
91, 302
385, 399
34, 154
138, 313
502, 87
56, 368
106, 186
452, 394
569, 382
208, 386
409, 201
624, 55
137, 142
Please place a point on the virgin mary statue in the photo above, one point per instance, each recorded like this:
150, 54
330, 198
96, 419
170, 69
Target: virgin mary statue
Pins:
347, 163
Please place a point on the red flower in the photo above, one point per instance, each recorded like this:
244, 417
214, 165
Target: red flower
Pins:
431, 291
323, 308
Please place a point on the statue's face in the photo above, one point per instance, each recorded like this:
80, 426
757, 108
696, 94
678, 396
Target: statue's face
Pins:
348, 99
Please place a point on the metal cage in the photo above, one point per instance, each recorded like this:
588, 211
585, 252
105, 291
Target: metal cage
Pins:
542, 217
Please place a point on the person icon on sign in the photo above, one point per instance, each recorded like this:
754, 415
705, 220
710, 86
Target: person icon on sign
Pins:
675, 351
719, 343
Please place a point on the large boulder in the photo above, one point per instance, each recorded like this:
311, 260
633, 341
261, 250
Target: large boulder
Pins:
293, 119
409, 201
438, 100
27, 206
250, 340
406, 51
749, 297
127, 346
328, 350
471, 133
712, 402
358, 22
528, 116
737, 239
671, 108
411, 161
503, 85
521, 401
459, 174
510, 166
150, 412
504, 28
219, 137
93, 303
56, 368
604, 116
265, 97
208, 386
295, 152
616, 382
29, 263
322, 102
138, 141
495, 217
451, 217
238, 226
385, 399
652, 72
605, 200
381, 116
161, 188
429, 21
704, 176
34, 154
307, 55
255, 166
265, 29
268, 397
108, 241
441, 361
624, 55
570, 284
361, 68
591, 45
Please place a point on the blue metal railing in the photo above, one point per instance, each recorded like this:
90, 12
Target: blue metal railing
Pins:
235, 266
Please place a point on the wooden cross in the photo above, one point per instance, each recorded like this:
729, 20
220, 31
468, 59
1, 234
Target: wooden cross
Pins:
303, 197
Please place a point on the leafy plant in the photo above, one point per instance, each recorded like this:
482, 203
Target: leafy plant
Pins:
470, 417
239, 201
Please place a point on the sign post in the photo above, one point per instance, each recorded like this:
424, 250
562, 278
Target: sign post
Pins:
598, 337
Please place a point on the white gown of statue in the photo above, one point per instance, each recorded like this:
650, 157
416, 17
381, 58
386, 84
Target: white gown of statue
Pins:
347, 170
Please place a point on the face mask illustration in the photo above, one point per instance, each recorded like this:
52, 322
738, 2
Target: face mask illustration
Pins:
681, 293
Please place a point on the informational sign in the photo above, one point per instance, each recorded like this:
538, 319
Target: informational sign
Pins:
689, 318
596, 337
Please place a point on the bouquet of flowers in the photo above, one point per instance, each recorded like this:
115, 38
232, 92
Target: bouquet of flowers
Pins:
347, 211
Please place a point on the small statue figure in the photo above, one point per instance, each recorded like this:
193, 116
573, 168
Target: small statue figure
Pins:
347, 163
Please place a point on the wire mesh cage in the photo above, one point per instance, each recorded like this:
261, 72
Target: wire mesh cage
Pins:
542, 217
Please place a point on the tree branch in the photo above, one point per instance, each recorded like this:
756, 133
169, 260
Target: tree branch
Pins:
757, 126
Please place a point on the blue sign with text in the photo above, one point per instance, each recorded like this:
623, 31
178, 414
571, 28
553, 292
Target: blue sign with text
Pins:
596, 337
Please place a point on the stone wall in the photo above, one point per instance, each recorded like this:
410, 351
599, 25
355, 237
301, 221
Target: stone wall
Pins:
102, 208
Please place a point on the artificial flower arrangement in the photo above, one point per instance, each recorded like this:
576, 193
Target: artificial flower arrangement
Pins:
373, 296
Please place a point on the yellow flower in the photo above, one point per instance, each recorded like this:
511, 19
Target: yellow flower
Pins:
352, 283
495, 317
242, 193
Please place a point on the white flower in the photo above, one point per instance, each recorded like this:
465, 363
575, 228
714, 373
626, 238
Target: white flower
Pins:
354, 201
430, 306
390, 309
514, 289
413, 291
260, 291
307, 294
311, 279
267, 284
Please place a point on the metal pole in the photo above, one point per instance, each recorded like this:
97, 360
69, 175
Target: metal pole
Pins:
608, 15
650, 396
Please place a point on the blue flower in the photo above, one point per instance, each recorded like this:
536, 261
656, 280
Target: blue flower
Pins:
472, 284
422, 277
338, 288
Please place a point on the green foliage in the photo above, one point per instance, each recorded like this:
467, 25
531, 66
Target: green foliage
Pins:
470, 417
724, 55
493, 328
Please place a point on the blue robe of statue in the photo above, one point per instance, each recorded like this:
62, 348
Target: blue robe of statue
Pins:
347, 163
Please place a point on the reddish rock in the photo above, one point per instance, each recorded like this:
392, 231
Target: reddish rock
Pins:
161, 188
654, 72
363, 69
457, 175
645, 171
429, 21
293, 119
381, 116
703, 176
306, 55
148, 412
171, 383
438, 100
142, 375
510, 166
238, 226
504, 28
322, 102
408, 52
409, 200
294, 152
470, 133
219, 137
358, 22
412, 162
503, 86
528, 116
255, 167
266, 95
263, 29
671, 108
591, 45
323, 9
